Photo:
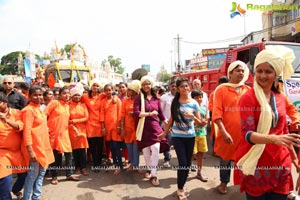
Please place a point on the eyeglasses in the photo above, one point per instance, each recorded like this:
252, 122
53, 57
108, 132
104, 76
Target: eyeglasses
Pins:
146, 84
9, 83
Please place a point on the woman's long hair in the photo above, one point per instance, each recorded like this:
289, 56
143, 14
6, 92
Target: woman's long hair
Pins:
177, 115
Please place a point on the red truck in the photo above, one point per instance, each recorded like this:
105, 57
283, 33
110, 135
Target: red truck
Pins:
245, 53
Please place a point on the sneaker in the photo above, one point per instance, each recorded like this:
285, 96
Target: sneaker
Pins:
167, 164
201, 178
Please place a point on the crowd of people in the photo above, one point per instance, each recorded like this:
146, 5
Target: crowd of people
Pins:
38, 126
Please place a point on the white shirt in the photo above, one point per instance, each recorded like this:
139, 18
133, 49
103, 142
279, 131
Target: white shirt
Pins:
165, 102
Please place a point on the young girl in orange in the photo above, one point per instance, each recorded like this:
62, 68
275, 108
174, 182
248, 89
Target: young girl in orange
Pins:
77, 130
37, 142
110, 116
128, 126
58, 123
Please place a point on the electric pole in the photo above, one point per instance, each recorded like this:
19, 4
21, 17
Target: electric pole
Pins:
171, 52
178, 53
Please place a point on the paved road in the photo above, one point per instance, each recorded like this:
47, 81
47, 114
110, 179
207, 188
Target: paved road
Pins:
130, 185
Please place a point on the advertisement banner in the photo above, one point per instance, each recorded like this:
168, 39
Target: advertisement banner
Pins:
27, 67
292, 90
216, 61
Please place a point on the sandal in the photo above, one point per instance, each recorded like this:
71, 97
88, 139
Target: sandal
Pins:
117, 172
54, 181
148, 175
154, 181
130, 168
186, 193
222, 188
182, 195
19, 195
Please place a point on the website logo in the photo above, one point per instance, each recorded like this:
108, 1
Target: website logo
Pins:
236, 10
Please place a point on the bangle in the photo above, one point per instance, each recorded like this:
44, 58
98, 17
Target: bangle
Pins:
271, 138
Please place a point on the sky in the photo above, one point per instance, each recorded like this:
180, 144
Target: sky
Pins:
137, 31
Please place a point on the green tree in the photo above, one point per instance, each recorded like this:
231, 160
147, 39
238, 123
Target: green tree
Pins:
163, 75
9, 63
115, 62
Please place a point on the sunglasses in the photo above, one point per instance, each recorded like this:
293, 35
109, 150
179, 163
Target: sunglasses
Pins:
9, 83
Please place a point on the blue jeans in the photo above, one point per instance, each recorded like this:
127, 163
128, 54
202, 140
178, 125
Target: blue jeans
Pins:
115, 148
34, 181
5, 184
267, 196
225, 170
184, 150
134, 154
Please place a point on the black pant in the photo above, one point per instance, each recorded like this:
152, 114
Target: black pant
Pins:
57, 165
184, 150
79, 158
267, 196
18, 186
96, 149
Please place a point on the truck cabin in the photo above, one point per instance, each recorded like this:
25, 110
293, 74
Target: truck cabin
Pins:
66, 73
247, 54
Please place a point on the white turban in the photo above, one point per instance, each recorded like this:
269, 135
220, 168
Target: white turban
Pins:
78, 89
97, 81
148, 78
234, 64
279, 57
135, 85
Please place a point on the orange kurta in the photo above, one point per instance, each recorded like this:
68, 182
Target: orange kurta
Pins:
11, 157
226, 108
214, 127
58, 123
36, 134
210, 101
93, 126
129, 126
110, 114
77, 131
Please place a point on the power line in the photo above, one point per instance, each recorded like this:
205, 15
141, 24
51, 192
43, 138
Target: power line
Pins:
216, 41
